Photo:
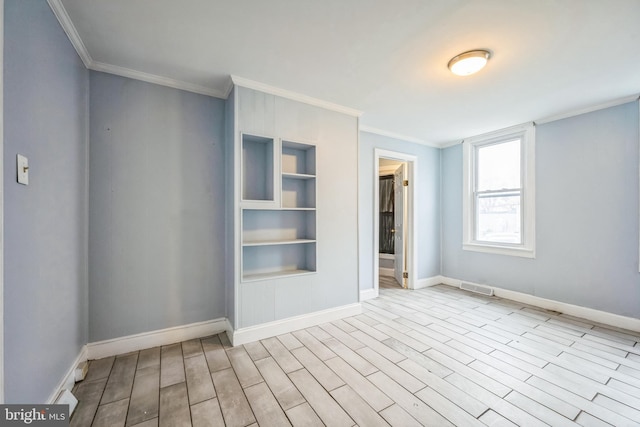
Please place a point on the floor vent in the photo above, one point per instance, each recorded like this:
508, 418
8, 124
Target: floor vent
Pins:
484, 290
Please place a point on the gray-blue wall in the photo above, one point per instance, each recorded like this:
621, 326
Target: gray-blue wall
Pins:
586, 216
428, 200
156, 240
45, 223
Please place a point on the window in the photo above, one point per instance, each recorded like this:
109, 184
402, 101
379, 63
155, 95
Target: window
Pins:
499, 192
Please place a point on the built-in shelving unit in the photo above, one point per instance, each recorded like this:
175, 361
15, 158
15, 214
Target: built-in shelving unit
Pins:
279, 221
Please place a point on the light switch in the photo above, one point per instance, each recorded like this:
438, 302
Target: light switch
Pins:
23, 170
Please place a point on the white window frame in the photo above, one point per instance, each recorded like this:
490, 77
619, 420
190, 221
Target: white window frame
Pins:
526, 134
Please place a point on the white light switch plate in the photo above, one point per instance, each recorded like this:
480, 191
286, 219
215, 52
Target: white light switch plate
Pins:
23, 170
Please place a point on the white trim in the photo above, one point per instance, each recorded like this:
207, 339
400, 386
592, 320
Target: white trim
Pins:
155, 79
295, 96
450, 144
74, 37
279, 327
1, 201
429, 281
67, 25
398, 136
366, 294
611, 319
526, 133
589, 109
638, 103
69, 378
390, 272
412, 214
129, 343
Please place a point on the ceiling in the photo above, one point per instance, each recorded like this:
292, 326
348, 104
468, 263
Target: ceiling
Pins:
385, 58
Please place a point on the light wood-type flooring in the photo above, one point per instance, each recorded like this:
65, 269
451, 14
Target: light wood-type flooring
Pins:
436, 356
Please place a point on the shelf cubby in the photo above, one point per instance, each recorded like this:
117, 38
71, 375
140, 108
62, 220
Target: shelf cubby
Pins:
262, 227
298, 158
258, 172
267, 262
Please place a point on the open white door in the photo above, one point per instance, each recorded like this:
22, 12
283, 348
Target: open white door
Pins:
398, 225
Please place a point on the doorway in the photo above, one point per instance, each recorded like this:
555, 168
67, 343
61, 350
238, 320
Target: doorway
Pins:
394, 225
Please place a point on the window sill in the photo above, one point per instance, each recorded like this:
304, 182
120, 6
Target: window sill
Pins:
500, 250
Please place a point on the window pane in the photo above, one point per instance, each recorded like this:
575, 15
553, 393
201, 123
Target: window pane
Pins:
499, 166
499, 219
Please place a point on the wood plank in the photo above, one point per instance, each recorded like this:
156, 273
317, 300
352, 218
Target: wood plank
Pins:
256, 350
171, 366
149, 357
396, 373
199, 384
469, 373
419, 358
149, 423
447, 408
215, 354
370, 393
100, 368
342, 336
501, 406
283, 389
380, 348
401, 337
462, 399
396, 416
578, 401
351, 357
145, 395
207, 414
493, 419
411, 404
280, 354
357, 408
112, 414
88, 394
313, 344
174, 405
121, 378
304, 416
191, 348
244, 367
322, 403
539, 411
265, 407
317, 368
289, 341
588, 420
632, 414
233, 403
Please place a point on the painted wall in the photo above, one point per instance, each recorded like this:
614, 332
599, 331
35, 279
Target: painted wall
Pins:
45, 223
586, 216
335, 135
428, 201
157, 233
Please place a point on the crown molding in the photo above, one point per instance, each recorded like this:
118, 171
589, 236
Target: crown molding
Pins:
398, 136
589, 109
294, 96
159, 80
65, 22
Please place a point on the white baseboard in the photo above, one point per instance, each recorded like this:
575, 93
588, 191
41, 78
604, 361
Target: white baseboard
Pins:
112, 347
587, 313
278, 327
69, 379
368, 294
429, 281
386, 271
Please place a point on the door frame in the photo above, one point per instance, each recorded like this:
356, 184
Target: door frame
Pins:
412, 213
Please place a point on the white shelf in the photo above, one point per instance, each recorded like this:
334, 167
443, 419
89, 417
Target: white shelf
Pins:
278, 242
275, 275
297, 176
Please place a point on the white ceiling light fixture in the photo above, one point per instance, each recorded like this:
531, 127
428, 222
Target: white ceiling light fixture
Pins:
470, 62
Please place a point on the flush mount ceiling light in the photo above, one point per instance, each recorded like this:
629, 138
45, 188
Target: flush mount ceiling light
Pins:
469, 62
